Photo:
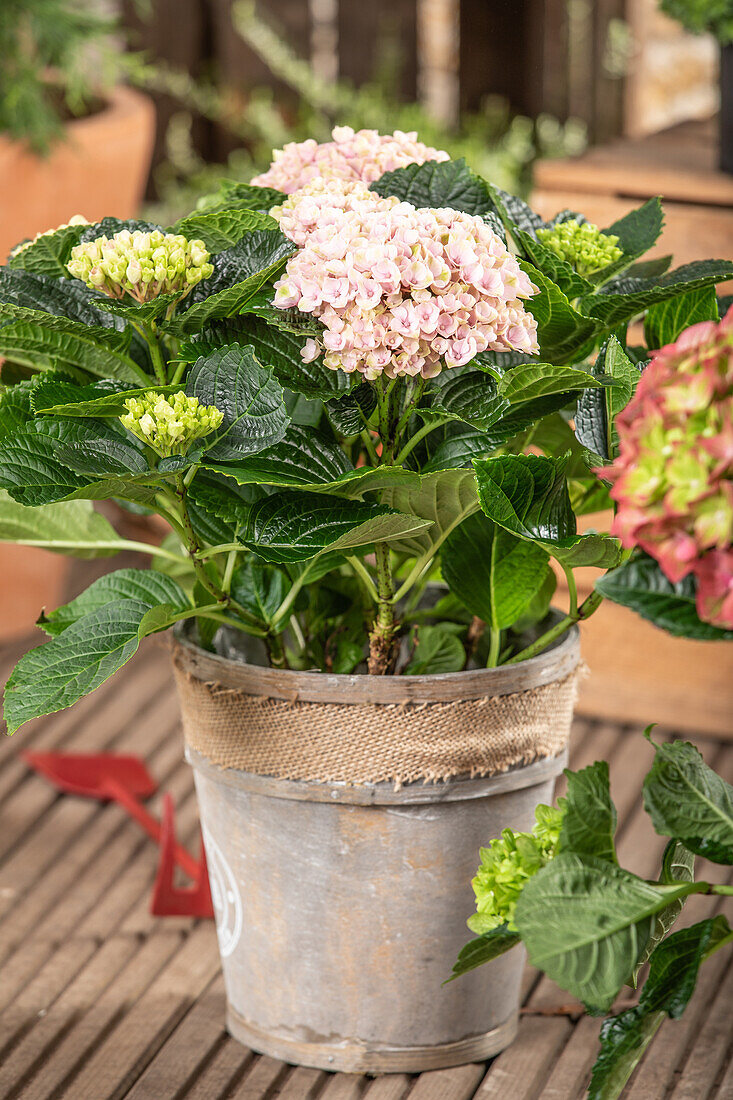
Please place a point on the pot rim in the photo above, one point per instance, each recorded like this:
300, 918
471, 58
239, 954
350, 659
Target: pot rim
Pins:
457, 788
556, 663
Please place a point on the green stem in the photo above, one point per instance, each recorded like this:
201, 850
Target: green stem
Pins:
494, 647
413, 441
226, 583
369, 446
192, 546
586, 609
275, 650
572, 589
149, 332
117, 544
413, 398
363, 575
179, 372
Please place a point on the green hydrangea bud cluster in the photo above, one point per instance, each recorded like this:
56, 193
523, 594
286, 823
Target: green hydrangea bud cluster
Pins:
507, 865
169, 424
582, 245
77, 219
141, 264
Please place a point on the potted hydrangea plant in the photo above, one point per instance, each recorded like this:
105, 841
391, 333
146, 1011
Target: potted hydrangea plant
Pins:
368, 393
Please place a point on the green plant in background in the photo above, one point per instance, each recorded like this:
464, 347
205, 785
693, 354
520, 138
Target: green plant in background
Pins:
703, 16
346, 503
495, 143
57, 59
590, 925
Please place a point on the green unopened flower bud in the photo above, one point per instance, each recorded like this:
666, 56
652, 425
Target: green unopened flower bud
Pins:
141, 264
169, 424
582, 245
506, 867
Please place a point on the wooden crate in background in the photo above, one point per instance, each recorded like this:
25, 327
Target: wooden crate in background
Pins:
680, 164
637, 672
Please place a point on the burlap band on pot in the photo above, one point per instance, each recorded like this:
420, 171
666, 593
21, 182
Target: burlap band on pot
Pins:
267, 722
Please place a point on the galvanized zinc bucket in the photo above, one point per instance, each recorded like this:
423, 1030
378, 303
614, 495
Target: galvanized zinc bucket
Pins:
341, 907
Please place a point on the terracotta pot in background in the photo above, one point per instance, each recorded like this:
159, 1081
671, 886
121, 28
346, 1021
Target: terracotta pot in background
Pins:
640, 674
100, 168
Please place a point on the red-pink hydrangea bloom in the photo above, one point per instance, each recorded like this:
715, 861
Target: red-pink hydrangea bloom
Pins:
673, 478
400, 291
365, 155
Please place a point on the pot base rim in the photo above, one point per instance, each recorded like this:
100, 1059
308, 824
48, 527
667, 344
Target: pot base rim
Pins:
354, 1057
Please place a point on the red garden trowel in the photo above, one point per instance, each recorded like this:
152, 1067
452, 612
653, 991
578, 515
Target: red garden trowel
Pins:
169, 900
109, 777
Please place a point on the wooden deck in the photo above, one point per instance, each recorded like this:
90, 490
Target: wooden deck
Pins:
99, 1000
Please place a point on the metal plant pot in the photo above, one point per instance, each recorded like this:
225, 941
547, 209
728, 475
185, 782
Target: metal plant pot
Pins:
341, 908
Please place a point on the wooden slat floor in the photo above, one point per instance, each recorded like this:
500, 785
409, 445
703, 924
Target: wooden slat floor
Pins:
100, 1001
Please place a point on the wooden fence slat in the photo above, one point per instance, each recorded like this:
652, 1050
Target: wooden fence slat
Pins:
386, 26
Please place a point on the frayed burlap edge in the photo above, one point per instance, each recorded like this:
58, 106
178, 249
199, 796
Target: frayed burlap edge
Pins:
372, 743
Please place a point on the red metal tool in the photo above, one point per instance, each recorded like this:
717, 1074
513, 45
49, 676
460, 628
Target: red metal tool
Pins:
169, 900
109, 777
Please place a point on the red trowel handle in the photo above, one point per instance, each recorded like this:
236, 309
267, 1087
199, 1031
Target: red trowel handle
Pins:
150, 824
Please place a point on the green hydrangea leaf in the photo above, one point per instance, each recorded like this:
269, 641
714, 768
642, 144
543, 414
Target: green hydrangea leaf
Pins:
292, 526
665, 321
438, 650
483, 949
252, 401
50, 253
495, 574
146, 585
585, 922
690, 802
528, 496
589, 815
672, 978
221, 229
641, 585
449, 183
69, 527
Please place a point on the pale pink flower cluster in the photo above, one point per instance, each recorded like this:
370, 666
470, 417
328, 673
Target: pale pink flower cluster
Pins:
362, 155
400, 291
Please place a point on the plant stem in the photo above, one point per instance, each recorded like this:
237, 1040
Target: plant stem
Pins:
586, 609
572, 589
226, 583
383, 637
192, 546
415, 439
494, 647
369, 446
363, 575
156, 355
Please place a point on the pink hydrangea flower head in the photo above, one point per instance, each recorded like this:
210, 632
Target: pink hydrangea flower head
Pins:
673, 478
400, 291
364, 156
